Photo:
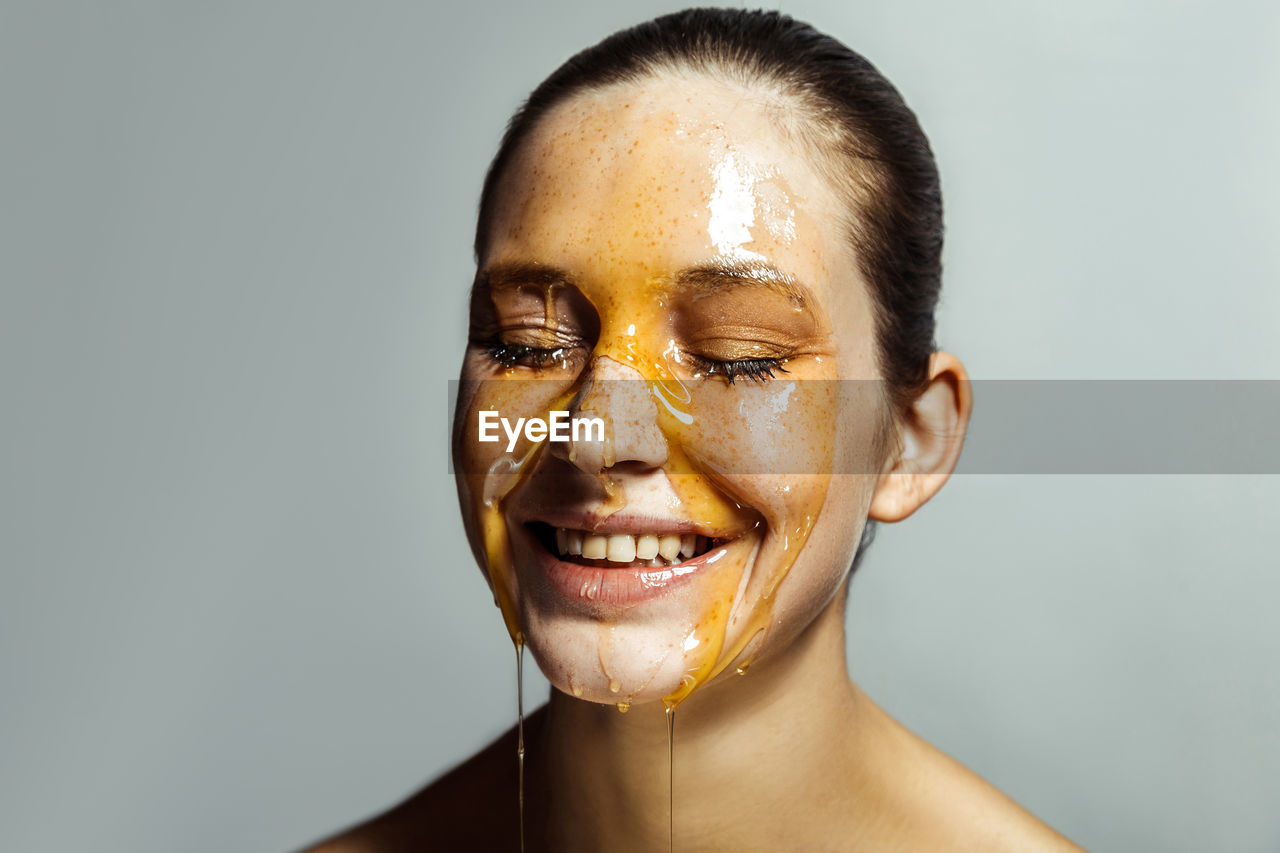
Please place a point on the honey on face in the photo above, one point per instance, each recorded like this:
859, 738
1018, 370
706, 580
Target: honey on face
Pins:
643, 239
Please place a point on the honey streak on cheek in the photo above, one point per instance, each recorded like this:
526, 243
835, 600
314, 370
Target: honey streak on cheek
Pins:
734, 451
623, 206
754, 443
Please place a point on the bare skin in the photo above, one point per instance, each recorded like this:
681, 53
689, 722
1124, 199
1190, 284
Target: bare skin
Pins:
775, 760
792, 755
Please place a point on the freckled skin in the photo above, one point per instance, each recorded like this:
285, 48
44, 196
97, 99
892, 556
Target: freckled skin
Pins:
792, 756
615, 227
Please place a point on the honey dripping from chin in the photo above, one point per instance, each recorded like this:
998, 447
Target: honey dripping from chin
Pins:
520, 732
701, 498
643, 347
671, 778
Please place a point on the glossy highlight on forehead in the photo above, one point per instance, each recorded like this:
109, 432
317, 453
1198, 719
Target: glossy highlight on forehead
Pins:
819, 95
699, 237
612, 174
588, 122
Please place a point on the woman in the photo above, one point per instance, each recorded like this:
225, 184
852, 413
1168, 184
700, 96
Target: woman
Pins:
714, 241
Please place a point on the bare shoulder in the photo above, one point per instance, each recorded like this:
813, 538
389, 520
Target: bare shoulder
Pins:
472, 807
956, 809
978, 816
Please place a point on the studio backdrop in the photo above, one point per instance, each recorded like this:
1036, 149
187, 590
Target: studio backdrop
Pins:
237, 610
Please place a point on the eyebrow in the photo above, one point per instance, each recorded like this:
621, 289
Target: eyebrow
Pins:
504, 276
711, 277
729, 274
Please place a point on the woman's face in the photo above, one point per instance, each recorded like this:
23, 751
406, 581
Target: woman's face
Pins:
663, 259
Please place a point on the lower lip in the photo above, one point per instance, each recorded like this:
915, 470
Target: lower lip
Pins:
621, 587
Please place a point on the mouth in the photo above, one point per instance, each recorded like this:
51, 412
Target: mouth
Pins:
622, 550
619, 567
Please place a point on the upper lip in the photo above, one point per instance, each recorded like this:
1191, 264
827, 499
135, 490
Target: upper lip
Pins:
627, 522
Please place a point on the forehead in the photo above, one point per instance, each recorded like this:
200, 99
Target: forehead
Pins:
639, 179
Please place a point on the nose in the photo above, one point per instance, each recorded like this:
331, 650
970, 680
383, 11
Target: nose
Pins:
619, 396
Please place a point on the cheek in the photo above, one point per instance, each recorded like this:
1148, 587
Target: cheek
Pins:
803, 454
823, 565
780, 426
768, 445
860, 419
487, 471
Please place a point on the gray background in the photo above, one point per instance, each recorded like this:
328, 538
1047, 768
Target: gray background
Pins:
237, 610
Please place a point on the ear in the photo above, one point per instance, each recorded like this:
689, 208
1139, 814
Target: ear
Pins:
929, 437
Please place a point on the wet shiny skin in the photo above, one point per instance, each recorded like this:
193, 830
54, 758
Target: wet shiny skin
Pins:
632, 199
793, 756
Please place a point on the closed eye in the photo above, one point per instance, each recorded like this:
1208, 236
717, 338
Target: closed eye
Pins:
511, 355
752, 369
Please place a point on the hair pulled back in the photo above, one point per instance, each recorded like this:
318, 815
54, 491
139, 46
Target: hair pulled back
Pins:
867, 142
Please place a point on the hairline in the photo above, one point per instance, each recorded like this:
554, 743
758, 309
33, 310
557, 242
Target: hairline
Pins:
797, 117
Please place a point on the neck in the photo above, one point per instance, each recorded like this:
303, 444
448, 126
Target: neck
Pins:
755, 756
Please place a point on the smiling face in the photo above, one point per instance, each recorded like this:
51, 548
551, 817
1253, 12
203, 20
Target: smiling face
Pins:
661, 258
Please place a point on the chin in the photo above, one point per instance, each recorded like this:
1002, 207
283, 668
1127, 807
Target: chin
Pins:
627, 631
622, 664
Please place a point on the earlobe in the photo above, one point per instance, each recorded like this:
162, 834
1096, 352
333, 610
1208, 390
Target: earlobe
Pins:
931, 434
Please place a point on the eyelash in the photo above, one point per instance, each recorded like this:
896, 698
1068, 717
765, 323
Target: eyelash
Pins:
752, 369
509, 355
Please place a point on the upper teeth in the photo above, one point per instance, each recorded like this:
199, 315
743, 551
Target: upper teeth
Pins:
625, 548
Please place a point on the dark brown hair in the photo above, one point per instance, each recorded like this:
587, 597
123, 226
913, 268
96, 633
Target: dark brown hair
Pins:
870, 146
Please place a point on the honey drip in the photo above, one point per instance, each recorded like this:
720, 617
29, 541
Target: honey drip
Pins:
671, 778
706, 495
520, 734
504, 477
622, 242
